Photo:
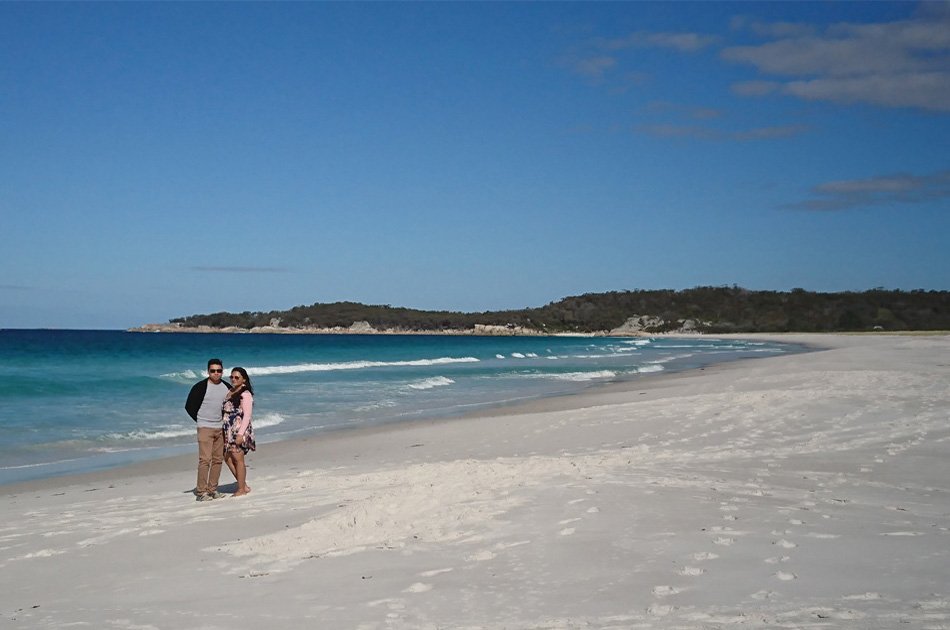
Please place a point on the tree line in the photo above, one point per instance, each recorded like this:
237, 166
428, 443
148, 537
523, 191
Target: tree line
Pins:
713, 309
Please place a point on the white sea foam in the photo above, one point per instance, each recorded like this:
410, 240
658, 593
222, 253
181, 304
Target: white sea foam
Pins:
646, 369
584, 376
329, 367
268, 420
373, 406
517, 355
40, 464
573, 376
355, 365
672, 357
168, 432
639, 342
499, 356
158, 433
430, 383
186, 376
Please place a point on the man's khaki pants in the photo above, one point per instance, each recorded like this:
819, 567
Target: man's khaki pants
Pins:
210, 457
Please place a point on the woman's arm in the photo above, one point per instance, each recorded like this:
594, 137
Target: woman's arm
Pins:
247, 404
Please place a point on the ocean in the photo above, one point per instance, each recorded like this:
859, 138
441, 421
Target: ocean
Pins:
74, 401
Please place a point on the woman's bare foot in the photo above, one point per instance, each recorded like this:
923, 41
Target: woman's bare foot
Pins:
241, 493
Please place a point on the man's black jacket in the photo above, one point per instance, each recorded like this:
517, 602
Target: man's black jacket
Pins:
196, 396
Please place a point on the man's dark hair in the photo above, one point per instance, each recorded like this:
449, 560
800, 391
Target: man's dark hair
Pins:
215, 362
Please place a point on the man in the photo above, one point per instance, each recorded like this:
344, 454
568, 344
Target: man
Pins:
204, 406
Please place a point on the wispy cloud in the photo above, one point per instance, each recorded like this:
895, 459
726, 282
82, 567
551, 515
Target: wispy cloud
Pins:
590, 67
683, 42
904, 63
880, 190
243, 269
598, 57
690, 111
698, 132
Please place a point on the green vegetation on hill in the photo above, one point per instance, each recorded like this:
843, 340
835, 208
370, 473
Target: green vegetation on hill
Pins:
714, 309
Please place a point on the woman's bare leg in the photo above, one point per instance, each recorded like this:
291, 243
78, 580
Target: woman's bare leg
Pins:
230, 462
240, 472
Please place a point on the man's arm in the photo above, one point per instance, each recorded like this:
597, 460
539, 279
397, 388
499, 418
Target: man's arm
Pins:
195, 397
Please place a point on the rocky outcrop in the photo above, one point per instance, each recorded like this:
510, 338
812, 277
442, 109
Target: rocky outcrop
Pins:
650, 324
362, 328
638, 325
510, 329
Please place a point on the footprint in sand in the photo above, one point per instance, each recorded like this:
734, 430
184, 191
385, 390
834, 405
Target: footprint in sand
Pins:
724, 541
481, 556
691, 571
910, 534
784, 544
777, 559
665, 591
704, 555
660, 610
418, 587
786, 576
863, 596
567, 531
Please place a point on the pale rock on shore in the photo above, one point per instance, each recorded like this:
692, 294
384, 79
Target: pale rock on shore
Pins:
797, 491
641, 325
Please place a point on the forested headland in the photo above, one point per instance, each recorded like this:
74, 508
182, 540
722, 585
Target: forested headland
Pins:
700, 309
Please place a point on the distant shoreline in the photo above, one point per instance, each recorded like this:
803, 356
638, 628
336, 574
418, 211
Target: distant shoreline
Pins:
487, 330
363, 328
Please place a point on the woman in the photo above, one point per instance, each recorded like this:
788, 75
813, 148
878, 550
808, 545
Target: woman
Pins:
238, 431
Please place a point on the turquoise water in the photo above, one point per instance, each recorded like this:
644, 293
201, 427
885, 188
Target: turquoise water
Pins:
73, 401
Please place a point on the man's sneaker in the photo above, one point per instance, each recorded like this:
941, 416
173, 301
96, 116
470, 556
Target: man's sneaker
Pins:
204, 497
216, 495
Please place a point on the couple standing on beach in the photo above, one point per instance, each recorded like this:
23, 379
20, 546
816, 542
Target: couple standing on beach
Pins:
223, 413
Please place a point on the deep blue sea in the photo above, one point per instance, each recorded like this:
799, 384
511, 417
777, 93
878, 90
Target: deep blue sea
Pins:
74, 401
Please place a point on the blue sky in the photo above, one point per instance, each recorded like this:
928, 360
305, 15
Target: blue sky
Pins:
160, 160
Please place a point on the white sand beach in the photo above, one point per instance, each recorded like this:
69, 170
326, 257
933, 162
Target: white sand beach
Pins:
799, 491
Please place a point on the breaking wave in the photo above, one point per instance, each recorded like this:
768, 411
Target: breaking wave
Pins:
430, 383
328, 367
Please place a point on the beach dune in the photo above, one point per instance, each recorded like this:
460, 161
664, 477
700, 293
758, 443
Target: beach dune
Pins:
798, 491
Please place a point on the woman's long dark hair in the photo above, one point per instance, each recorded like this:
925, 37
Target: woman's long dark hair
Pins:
247, 383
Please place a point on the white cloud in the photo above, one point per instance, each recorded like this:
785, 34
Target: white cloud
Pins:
755, 88
593, 68
900, 188
709, 133
690, 111
683, 42
904, 63
930, 90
